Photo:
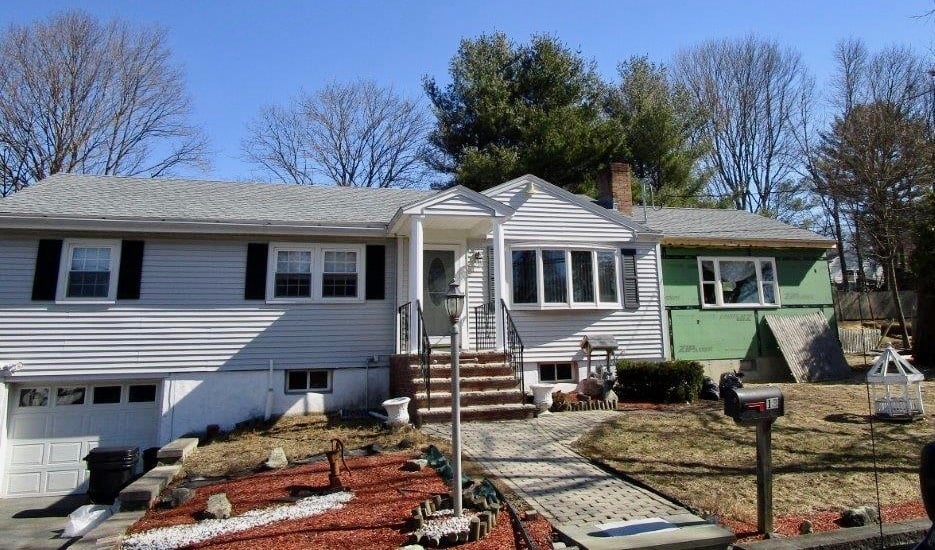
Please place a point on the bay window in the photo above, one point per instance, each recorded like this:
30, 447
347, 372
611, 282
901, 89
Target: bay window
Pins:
550, 278
738, 282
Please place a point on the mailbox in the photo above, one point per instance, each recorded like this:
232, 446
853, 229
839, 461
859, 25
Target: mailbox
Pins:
747, 406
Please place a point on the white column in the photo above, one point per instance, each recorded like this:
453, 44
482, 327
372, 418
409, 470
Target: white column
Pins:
499, 275
415, 279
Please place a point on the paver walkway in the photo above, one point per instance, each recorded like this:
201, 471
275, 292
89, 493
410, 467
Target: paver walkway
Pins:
535, 459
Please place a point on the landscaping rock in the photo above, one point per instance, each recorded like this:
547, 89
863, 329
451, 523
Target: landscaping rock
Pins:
591, 387
218, 507
374, 449
859, 517
415, 465
277, 459
181, 495
405, 443
805, 527
412, 547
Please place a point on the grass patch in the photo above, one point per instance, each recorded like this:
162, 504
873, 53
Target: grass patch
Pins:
822, 455
244, 450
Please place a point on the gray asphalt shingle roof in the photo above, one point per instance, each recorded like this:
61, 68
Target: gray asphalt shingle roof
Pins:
83, 196
723, 224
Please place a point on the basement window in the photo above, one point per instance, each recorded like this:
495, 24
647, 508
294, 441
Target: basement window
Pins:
308, 380
555, 372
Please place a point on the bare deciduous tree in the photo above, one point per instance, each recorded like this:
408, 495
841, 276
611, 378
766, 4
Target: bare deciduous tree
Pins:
77, 95
351, 134
752, 91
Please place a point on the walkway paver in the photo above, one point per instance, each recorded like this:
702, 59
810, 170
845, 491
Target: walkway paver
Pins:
535, 459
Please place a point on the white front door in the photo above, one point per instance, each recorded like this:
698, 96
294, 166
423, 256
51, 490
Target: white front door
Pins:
52, 427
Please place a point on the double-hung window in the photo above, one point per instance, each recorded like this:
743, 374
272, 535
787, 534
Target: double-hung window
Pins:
309, 273
550, 278
89, 271
738, 282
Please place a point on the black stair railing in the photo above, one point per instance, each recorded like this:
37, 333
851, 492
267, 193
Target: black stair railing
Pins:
403, 314
425, 345
425, 356
485, 327
514, 349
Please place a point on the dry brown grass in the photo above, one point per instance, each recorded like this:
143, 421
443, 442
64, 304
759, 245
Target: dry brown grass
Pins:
244, 450
821, 453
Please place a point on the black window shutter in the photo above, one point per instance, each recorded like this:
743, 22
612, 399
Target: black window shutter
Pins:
376, 272
45, 278
255, 282
131, 270
631, 292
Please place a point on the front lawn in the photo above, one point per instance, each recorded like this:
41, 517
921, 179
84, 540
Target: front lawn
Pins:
245, 449
822, 454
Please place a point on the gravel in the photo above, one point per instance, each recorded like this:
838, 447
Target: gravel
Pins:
179, 536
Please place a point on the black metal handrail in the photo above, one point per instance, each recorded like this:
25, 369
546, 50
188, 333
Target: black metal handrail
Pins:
404, 316
425, 356
485, 327
514, 348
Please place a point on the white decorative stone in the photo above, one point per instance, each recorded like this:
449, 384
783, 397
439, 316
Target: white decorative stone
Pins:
542, 397
397, 412
277, 459
218, 507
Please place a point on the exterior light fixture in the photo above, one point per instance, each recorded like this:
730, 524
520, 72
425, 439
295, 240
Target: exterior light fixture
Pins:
454, 302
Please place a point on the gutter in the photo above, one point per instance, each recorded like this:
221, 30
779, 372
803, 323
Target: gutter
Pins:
745, 243
186, 226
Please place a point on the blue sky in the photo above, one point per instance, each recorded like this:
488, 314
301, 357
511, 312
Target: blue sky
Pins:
240, 55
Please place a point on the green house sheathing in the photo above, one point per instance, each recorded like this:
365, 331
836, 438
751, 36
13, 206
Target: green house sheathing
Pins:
738, 333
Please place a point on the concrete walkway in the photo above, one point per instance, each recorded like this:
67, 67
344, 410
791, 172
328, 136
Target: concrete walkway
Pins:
534, 458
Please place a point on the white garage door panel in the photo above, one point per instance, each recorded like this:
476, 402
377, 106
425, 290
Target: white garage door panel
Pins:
27, 454
48, 441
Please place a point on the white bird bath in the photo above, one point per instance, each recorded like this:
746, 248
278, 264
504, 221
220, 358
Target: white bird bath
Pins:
397, 411
542, 397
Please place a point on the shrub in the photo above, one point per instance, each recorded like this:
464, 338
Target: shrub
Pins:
668, 382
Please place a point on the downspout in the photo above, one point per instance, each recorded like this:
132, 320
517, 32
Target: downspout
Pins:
663, 316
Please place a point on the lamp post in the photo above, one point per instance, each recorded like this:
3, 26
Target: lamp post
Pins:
454, 303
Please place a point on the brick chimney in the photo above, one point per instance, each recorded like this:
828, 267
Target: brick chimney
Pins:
614, 186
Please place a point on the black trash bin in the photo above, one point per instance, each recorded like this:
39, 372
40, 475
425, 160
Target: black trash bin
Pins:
111, 470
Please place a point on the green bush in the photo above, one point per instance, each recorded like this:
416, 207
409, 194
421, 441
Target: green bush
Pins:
668, 382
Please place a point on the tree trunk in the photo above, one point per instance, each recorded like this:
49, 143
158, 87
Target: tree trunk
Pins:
894, 292
923, 342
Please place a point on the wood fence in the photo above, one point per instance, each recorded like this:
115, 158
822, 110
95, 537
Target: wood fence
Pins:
874, 305
856, 340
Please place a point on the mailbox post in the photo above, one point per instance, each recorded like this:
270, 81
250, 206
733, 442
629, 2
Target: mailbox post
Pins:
759, 407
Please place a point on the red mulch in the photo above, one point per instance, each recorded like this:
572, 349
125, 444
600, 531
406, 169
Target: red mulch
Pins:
384, 496
825, 520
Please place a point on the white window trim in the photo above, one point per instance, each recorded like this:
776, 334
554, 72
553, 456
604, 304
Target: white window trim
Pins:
328, 389
317, 266
64, 268
718, 293
571, 368
540, 303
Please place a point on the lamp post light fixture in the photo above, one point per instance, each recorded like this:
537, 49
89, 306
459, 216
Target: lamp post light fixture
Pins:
454, 303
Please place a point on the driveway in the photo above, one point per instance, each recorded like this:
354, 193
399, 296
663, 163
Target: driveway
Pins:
36, 523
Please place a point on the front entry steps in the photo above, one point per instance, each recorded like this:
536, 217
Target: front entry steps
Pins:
489, 390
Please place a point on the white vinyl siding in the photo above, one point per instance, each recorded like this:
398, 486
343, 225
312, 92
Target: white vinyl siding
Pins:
543, 216
191, 316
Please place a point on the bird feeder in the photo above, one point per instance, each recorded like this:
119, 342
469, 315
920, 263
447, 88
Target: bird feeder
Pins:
896, 387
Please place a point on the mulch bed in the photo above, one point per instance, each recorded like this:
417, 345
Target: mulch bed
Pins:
377, 516
826, 520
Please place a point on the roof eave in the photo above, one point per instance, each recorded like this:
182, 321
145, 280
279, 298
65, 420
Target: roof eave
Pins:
39, 222
669, 240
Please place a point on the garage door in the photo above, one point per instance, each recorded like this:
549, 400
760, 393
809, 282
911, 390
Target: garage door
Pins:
52, 428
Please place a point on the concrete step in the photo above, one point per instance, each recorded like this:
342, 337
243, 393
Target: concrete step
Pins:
469, 383
477, 413
443, 370
468, 398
